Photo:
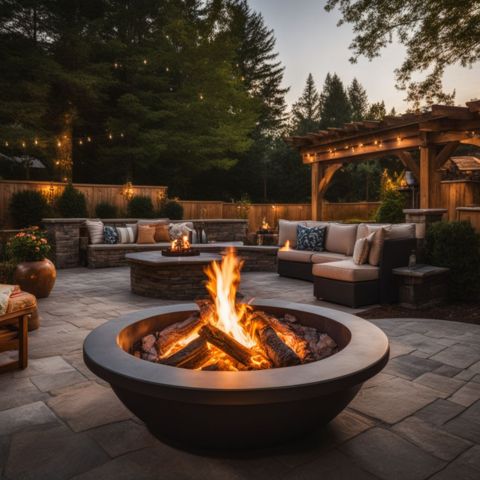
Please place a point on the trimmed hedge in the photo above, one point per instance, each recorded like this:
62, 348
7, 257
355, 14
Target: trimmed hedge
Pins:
172, 210
391, 208
106, 210
456, 245
72, 203
140, 207
27, 208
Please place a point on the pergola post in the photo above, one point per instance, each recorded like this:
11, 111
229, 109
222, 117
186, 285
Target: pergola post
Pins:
321, 177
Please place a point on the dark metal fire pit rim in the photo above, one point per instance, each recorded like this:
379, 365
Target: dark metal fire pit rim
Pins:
365, 355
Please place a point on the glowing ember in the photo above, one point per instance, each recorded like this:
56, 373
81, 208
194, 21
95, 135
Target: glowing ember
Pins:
227, 335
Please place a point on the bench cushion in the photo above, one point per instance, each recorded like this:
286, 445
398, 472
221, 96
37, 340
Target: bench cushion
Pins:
20, 301
346, 271
287, 230
304, 256
324, 257
341, 238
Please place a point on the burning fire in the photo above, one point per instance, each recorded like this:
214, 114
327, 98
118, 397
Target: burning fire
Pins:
265, 224
232, 336
223, 281
286, 247
180, 244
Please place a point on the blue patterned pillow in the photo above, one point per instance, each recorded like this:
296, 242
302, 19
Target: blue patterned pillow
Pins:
310, 238
111, 235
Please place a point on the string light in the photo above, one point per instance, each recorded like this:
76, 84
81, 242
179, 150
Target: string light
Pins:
6, 144
59, 143
110, 136
145, 61
167, 69
80, 142
399, 139
89, 139
200, 96
35, 142
122, 135
24, 144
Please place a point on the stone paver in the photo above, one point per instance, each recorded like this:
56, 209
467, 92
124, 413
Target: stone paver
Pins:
394, 400
419, 418
403, 460
89, 407
79, 453
432, 439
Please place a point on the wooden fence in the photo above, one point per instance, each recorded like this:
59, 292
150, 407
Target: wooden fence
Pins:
94, 194
454, 194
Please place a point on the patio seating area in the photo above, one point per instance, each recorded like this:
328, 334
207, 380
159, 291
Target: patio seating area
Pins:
417, 419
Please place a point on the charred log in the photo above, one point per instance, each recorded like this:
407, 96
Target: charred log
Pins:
173, 333
192, 355
226, 344
280, 354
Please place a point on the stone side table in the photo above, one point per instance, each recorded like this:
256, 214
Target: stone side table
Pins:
169, 278
422, 285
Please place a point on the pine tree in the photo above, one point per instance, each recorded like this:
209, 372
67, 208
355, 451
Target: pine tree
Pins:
306, 111
358, 100
377, 111
335, 108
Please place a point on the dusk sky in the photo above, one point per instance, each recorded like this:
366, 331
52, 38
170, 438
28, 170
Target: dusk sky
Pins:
308, 40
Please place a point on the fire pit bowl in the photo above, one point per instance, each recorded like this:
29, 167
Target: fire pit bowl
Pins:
236, 409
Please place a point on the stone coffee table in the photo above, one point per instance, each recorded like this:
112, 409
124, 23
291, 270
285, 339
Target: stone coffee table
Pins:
170, 278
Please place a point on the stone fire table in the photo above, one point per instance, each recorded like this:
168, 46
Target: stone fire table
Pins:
172, 278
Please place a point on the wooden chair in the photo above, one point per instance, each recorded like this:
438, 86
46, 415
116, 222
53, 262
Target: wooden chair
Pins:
15, 340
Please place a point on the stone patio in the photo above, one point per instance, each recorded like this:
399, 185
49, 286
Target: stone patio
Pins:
418, 419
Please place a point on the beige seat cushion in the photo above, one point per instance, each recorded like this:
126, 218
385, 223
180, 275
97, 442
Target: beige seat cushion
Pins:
341, 238
346, 271
287, 230
324, 257
401, 230
304, 256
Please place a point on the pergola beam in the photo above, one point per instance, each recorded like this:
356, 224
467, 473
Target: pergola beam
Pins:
409, 162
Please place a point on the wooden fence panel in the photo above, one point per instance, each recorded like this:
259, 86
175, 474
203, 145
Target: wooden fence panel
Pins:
347, 210
459, 193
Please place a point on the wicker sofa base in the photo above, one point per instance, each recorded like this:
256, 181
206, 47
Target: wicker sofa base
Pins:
298, 270
351, 294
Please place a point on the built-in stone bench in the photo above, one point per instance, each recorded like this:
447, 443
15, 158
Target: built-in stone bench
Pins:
255, 258
69, 239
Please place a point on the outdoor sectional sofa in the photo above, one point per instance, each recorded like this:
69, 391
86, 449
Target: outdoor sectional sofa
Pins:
335, 276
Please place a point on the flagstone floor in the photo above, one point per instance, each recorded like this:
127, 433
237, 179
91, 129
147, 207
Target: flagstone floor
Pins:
418, 419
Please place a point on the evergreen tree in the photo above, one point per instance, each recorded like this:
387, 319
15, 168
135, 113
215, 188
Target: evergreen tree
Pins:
335, 108
306, 111
358, 100
377, 111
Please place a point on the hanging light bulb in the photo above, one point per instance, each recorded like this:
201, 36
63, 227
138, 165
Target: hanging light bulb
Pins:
167, 69
122, 135
6, 144
110, 136
89, 139
59, 143
200, 96
80, 142
24, 144
145, 61
35, 142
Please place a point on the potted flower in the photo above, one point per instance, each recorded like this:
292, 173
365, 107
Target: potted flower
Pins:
34, 272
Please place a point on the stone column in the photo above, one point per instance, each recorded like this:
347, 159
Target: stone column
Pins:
423, 217
64, 236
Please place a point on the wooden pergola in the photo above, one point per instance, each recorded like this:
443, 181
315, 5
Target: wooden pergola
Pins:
436, 134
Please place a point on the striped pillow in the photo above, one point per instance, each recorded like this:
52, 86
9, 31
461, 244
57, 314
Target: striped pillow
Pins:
125, 235
95, 231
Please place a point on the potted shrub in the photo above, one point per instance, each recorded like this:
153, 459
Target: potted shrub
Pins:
34, 272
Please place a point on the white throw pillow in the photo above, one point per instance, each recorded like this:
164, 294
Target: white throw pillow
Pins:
125, 235
178, 230
95, 231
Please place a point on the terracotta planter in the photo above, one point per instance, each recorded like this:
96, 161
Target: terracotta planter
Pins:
36, 278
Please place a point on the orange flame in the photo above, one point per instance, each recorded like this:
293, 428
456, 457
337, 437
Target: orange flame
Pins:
180, 244
286, 247
222, 284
